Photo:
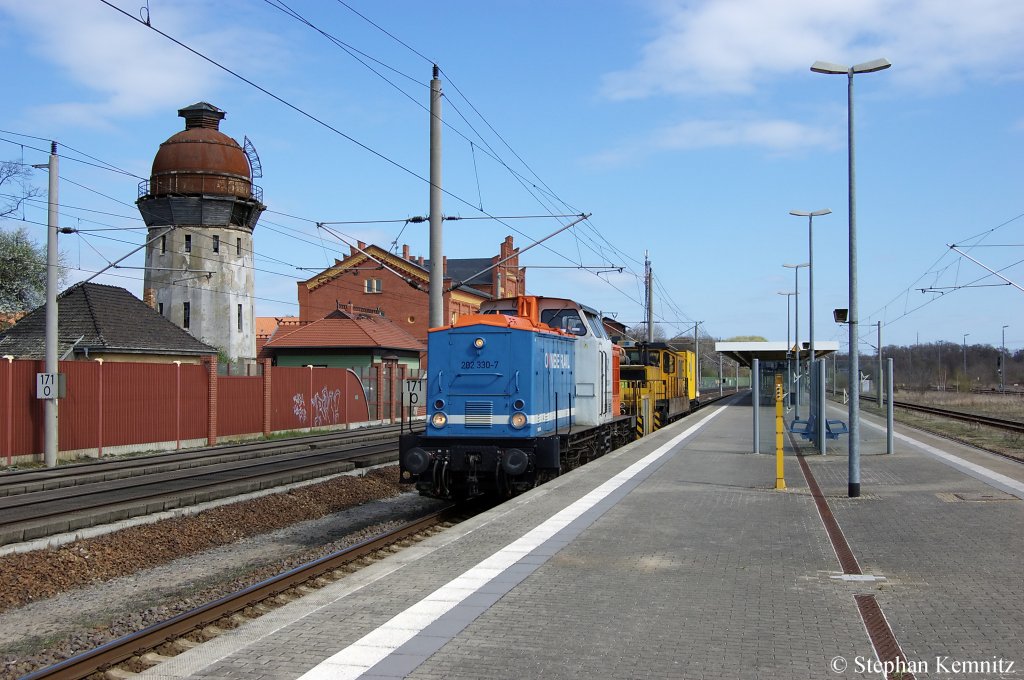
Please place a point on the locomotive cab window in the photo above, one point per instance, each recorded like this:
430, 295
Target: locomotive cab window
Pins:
668, 363
596, 325
564, 319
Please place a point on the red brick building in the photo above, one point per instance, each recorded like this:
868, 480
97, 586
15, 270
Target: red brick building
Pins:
397, 285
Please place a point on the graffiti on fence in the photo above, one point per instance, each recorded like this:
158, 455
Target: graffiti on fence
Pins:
299, 407
326, 407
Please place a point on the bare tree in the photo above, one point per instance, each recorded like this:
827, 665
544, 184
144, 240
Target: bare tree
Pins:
15, 175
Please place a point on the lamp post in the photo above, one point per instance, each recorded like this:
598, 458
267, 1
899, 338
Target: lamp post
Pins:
1002, 363
789, 360
796, 329
849, 71
810, 215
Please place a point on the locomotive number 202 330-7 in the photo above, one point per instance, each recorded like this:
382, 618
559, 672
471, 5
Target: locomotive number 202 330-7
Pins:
479, 364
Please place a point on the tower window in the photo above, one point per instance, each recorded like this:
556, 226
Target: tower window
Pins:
186, 313
160, 308
216, 244
163, 244
372, 286
188, 243
239, 317
238, 246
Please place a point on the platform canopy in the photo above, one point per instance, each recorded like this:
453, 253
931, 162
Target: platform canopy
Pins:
746, 352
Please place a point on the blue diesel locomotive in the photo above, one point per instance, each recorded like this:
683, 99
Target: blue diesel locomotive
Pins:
515, 395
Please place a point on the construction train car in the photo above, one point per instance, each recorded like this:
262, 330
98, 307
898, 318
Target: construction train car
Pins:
515, 395
659, 384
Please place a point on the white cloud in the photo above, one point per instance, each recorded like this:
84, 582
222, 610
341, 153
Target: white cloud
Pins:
130, 69
771, 135
728, 46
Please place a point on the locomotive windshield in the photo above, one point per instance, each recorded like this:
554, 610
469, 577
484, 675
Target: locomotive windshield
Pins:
565, 319
638, 356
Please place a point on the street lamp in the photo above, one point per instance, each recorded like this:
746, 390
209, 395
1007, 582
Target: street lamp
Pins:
796, 329
854, 377
789, 361
1002, 363
810, 215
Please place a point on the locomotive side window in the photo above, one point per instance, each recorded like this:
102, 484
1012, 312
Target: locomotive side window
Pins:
565, 319
596, 325
669, 363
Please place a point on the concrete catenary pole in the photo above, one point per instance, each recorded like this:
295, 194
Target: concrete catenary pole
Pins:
755, 398
879, 396
50, 405
889, 409
436, 313
650, 298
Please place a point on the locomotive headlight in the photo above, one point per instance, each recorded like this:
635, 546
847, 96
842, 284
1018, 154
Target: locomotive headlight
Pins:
479, 343
439, 420
519, 420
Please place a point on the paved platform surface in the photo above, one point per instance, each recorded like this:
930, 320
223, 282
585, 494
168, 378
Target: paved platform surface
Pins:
675, 557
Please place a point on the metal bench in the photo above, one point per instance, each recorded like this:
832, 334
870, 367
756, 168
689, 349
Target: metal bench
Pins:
804, 428
834, 428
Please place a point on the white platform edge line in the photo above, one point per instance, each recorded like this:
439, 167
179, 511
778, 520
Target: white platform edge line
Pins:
979, 472
350, 662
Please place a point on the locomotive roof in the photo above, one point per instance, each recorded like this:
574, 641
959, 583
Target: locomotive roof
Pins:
542, 302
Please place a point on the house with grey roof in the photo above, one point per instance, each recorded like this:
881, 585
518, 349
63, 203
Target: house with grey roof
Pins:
108, 322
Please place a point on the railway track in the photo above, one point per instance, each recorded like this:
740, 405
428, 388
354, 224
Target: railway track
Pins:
39, 503
149, 646
1000, 423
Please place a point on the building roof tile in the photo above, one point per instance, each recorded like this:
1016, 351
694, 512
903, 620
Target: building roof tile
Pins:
342, 330
95, 317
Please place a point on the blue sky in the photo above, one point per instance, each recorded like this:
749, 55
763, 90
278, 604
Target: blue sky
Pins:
689, 129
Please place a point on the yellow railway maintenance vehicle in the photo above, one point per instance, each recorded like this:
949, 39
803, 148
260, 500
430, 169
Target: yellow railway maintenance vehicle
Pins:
658, 384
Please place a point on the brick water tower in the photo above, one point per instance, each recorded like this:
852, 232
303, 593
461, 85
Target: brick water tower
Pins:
200, 273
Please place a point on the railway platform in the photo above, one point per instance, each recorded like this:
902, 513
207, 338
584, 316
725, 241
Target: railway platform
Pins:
675, 557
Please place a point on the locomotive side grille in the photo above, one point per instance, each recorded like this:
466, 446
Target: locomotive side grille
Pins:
478, 413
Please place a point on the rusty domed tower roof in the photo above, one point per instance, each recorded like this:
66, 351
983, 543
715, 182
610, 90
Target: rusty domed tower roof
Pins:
201, 158
200, 161
201, 147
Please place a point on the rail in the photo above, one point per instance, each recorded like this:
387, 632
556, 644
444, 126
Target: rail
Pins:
135, 644
1000, 423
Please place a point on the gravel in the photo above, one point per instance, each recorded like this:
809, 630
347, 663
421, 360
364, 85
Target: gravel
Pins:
58, 602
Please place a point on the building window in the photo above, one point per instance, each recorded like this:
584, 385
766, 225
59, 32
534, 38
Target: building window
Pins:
160, 308
372, 286
216, 243
186, 312
239, 317
238, 246
163, 244
188, 243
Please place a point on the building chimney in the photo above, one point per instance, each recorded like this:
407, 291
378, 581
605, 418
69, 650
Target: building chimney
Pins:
420, 260
149, 297
202, 115
362, 246
405, 252
444, 264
